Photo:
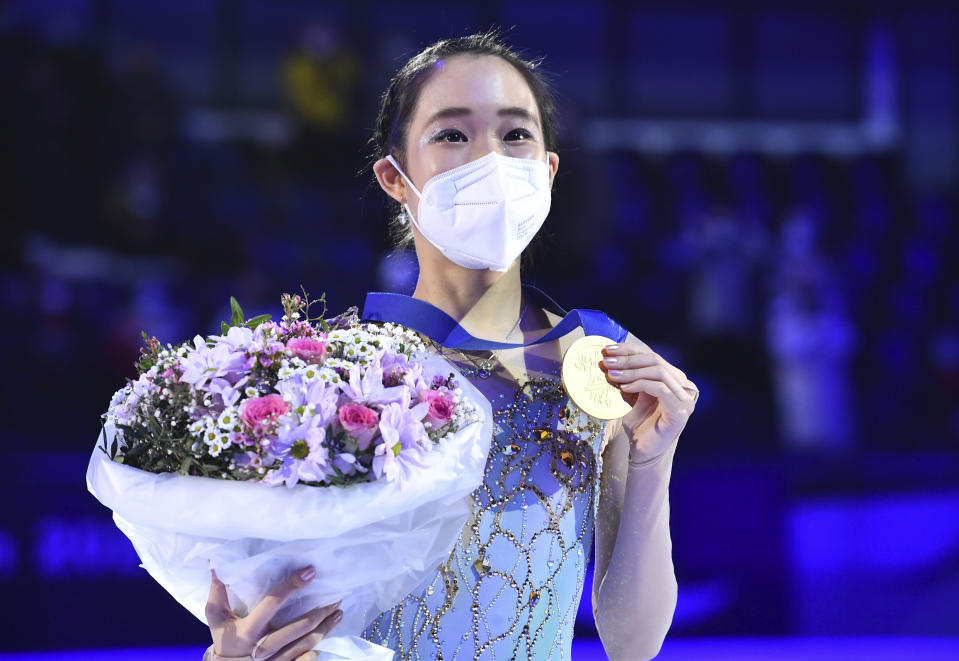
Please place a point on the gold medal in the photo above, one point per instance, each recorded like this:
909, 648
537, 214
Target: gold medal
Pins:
586, 383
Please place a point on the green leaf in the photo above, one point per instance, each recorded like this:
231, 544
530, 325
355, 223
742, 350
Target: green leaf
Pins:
154, 426
236, 319
396, 448
225, 327
257, 320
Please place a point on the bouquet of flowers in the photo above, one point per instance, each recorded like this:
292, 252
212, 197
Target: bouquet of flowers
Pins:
338, 444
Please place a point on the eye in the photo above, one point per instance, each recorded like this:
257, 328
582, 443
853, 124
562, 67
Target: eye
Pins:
519, 134
449, 135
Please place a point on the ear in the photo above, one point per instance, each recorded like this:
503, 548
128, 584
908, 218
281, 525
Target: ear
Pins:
390, 180
553, 166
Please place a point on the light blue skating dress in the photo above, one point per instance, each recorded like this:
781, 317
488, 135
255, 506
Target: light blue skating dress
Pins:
512, 585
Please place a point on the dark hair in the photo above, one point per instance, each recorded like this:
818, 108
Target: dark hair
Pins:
398, 102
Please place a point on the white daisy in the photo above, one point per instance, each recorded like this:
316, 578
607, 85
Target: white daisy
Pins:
228, 419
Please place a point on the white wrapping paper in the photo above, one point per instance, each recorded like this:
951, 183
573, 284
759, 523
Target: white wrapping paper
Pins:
371, 543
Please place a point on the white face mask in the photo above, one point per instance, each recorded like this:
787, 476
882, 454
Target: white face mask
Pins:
483, 214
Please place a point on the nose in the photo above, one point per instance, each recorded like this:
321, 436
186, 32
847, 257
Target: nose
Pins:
483, 145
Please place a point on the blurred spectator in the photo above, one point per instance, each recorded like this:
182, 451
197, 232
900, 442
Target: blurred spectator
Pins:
724, 253
321, 79
810, 340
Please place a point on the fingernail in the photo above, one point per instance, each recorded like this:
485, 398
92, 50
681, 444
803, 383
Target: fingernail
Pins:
611, 347
337, 604
610, 361
337, 616
308, 574
615, 372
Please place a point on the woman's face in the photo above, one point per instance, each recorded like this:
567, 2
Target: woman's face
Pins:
471, 105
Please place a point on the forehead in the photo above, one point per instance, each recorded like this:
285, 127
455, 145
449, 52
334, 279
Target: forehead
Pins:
481, 83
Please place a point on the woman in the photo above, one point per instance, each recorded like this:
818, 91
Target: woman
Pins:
467, 117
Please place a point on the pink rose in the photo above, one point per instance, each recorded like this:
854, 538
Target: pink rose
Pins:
360, 422
441, 404
307, 349
262, 411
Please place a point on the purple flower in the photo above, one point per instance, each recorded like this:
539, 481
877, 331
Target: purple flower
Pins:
394, 462
248, 460
401, 424
307, 459
348, 464
323, 398
238, 338
203, 363
367, 387
229, 392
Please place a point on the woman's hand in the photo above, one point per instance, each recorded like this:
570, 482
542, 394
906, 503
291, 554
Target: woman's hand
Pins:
660, 394
251, 637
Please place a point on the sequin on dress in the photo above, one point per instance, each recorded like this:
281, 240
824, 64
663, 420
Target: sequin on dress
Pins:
512, 585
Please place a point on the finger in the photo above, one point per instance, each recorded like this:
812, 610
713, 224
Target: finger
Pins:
628, 360
299, 647
308, 656
218, 604
625, 348
630, 356
654, 373
657, 389
301, 626
259, 618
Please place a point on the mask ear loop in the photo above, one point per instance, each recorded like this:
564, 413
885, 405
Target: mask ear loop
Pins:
396, 165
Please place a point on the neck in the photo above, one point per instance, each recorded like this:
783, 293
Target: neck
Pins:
486, 303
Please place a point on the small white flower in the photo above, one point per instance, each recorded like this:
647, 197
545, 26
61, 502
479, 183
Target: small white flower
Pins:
250, 391
228, 419
286, 372
335, 363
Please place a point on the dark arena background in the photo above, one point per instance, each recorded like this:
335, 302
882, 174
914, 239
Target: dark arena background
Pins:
765, 192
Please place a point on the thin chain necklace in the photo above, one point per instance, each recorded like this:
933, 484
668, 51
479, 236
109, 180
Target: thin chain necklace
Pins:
484, 368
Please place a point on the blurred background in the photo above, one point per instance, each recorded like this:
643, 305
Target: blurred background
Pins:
764, 192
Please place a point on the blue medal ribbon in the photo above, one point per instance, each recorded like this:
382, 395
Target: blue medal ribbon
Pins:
432, 322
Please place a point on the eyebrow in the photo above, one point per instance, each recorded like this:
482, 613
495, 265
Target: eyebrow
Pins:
512, 111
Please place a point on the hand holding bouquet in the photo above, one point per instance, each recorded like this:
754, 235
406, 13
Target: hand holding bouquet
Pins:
340, 445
